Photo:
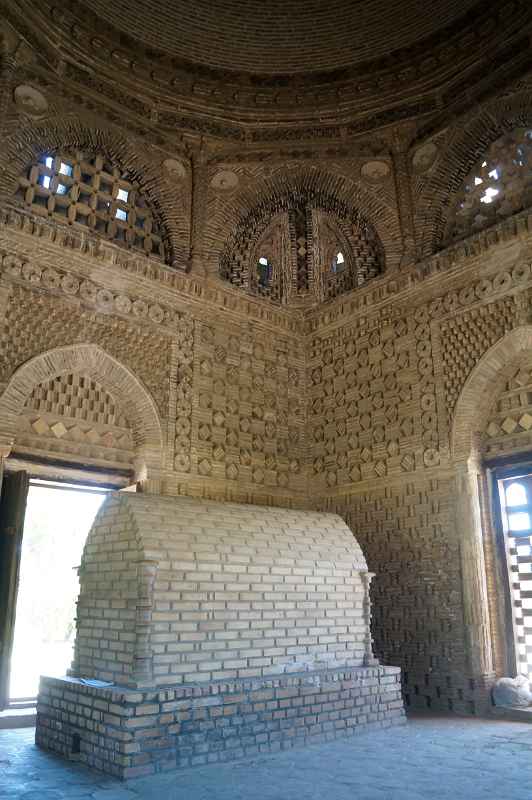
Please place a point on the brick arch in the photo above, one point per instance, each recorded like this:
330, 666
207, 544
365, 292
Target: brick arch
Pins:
62, 132
462, 149
93, 362
363, 202
483, 385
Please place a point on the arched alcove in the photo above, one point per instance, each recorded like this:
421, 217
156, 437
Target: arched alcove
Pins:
90, 360
482, 386
483, 591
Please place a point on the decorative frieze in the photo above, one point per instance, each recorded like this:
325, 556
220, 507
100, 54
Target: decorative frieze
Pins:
90, 293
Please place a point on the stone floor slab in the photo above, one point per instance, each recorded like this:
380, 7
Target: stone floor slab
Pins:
431, 758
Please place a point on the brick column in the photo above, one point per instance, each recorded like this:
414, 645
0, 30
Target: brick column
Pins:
403, 193
369, 658
142, 674
474, 587
5, 449
147, 471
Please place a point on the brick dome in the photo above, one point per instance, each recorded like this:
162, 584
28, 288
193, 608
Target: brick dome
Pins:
277, 37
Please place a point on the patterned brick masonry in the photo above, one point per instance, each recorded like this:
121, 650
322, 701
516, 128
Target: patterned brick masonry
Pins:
226, 630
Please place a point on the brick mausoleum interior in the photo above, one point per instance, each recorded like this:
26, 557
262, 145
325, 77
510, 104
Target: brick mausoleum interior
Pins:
272, 263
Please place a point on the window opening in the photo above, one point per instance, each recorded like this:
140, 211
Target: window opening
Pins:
65, 169
264, 272
86, 189
489, 194
499, 186
57, 522
515, 496
338, 263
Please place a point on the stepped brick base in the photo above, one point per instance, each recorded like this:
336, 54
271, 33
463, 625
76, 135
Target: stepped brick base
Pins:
129, 733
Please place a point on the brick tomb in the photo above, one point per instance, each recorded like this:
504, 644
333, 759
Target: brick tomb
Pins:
224, 630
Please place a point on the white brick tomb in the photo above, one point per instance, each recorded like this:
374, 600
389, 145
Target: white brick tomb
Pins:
224, 630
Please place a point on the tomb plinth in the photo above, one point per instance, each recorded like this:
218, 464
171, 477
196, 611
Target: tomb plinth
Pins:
223, 630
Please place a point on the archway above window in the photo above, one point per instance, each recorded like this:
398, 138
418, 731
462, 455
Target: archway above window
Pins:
499, 185
88, 190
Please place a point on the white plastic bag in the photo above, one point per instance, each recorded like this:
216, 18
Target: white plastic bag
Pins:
512, 692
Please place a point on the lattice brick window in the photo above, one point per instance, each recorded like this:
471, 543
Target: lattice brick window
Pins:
500, 185
88, 190
516, 508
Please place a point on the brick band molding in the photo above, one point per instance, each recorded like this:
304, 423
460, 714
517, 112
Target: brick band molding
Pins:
92, 361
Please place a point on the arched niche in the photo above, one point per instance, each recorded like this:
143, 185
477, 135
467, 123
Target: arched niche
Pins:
92, 361
483, 384
472, 502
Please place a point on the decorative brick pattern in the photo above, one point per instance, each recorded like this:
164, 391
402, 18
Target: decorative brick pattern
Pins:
138, 406
406, 531
498, 186
509, 428
37, 322
358, 392
91, 294
466, 337
248, 426
301, 272
165, 194
372, 401
184, 369
451, 155
72, 416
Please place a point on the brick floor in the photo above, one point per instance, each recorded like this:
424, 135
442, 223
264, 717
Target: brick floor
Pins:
445, 758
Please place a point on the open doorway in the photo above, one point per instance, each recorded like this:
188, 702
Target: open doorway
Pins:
57, 521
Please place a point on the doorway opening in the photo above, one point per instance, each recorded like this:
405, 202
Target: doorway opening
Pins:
515, 542
56, 525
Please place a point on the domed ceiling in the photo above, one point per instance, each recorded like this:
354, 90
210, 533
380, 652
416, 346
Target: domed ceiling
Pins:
272, 37
286, 71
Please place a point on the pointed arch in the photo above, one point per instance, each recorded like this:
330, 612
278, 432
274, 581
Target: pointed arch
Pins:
483, 385
463, 146
61, 133
94, 362
299, 197
234, 217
